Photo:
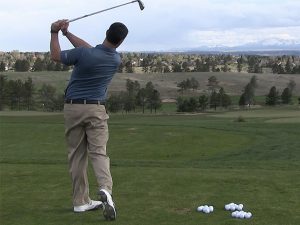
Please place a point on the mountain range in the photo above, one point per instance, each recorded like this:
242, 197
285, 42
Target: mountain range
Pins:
265, 47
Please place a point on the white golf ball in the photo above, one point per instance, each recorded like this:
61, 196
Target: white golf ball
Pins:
248, 215
232, 207
211, 208
227, 207
206, 210
239, 207
241, 214
200, 208
234, 214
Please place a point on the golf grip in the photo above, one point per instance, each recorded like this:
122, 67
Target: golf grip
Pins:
91, 14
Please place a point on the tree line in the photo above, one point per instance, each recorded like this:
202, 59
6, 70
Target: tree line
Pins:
217, 97
135, 97
272, 98
34, 62
164, 63
23, 95
167, 63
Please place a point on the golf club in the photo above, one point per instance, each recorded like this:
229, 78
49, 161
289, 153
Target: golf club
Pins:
91, 14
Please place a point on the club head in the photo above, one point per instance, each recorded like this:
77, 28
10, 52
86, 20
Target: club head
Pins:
141, 4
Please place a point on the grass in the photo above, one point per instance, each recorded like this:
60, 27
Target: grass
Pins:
163, 167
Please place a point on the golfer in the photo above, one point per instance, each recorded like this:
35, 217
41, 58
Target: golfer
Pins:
86, 128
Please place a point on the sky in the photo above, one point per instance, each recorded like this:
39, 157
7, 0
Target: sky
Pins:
163, 25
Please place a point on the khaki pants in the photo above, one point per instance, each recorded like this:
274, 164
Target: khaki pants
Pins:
86, 133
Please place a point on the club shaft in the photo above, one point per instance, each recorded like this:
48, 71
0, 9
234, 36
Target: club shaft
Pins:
81, 17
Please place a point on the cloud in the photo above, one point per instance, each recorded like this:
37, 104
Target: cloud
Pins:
243, 36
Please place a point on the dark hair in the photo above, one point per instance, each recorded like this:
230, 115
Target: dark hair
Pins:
116, 33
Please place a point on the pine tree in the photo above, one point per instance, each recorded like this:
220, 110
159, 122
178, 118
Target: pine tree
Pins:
2, 66
286, 96
273, 97
38, 65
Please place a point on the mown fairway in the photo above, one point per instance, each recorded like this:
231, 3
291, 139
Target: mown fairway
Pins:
163, 168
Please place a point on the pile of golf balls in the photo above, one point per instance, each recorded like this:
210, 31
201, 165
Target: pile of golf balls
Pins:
205, 209
234, 207
241, 214
237, 211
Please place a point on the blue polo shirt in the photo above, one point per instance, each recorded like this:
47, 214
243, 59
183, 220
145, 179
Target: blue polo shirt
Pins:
93, 70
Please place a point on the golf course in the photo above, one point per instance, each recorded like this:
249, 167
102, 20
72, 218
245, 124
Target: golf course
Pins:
163, 166
150, 112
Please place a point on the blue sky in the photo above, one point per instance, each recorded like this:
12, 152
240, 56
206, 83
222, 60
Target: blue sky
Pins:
163, 25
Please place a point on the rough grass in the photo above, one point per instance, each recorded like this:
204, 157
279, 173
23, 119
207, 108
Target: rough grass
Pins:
163, 168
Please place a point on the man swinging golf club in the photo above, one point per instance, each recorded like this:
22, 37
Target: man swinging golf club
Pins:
86, 128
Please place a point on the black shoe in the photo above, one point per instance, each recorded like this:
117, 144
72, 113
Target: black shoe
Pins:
109, 209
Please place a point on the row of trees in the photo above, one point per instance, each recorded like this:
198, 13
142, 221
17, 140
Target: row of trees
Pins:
135, 96
166, 63
23, 95
193, 104
217, 97
274, 98
188, 84
29, 61
210, 63
22, 65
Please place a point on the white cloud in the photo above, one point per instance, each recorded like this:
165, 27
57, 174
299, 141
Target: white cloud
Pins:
242, 36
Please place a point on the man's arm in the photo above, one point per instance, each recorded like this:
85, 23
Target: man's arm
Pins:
76, 41
54, 42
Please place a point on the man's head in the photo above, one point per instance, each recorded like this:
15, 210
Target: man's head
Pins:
116, 33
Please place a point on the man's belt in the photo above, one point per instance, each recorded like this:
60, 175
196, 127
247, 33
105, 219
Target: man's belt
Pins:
84, 101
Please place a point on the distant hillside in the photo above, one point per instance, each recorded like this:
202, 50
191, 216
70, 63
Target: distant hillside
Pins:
233, 83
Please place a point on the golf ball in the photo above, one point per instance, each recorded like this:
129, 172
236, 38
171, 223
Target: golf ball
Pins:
200, 208
241, 215
232, 207
227, 207
206, 210
239, 207
211, 208
234, 214
248, 215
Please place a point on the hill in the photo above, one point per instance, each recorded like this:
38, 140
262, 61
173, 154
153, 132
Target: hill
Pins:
166, 83
233, 83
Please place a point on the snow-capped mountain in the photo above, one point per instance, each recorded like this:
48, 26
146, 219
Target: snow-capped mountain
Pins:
265, 45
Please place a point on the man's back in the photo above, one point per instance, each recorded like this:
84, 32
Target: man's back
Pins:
93, 70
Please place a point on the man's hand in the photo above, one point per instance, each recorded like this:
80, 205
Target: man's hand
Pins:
54, 42
56, 26
64, 27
